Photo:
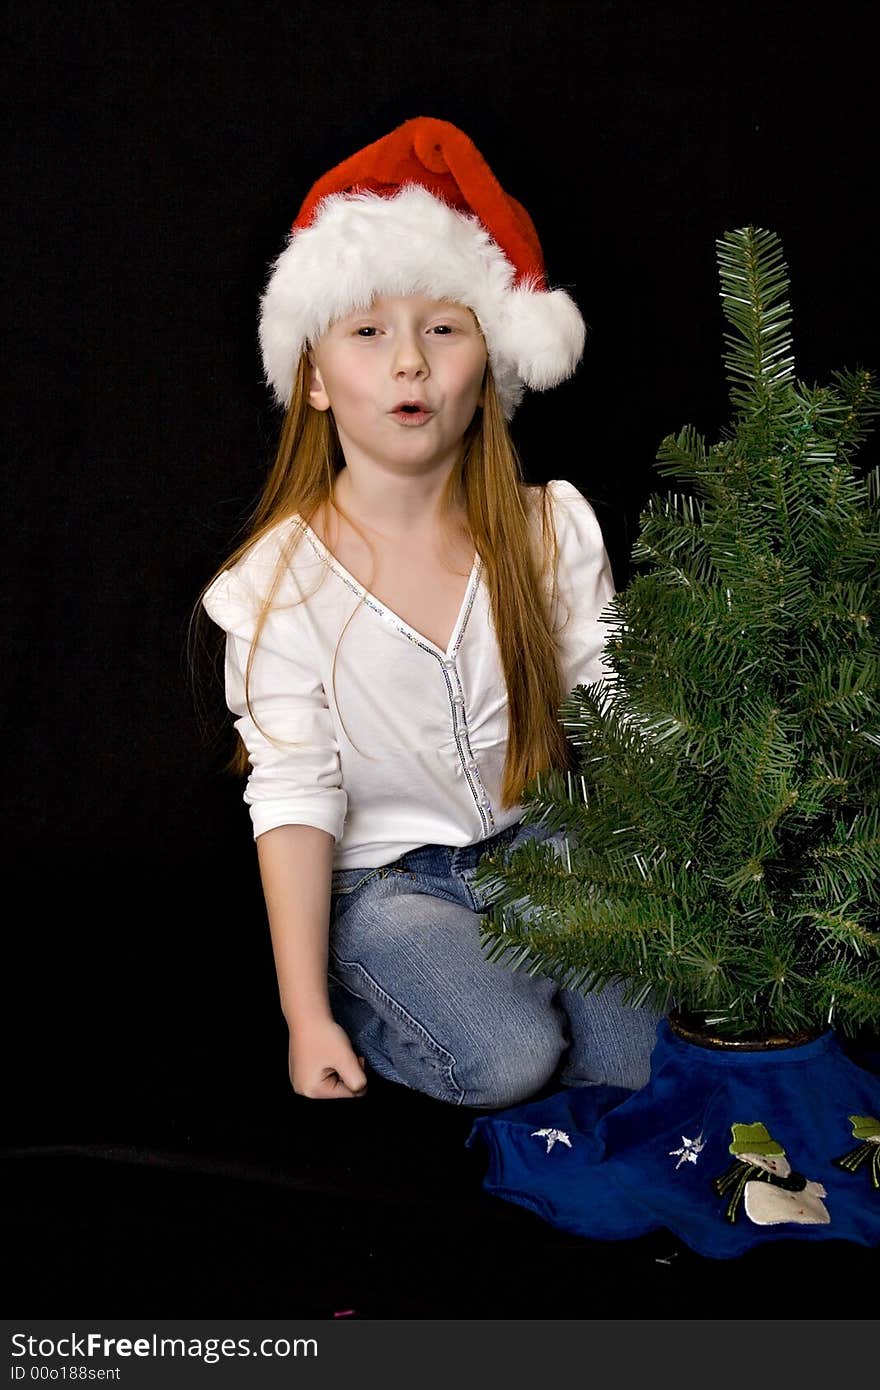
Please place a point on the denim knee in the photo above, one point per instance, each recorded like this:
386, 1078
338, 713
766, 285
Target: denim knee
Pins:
509, 1075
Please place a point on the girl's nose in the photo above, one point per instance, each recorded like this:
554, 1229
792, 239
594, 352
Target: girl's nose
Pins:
408, 359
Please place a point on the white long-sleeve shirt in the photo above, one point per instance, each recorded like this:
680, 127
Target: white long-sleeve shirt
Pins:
408, 747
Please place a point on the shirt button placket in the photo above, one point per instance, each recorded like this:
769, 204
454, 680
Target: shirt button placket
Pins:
461, 730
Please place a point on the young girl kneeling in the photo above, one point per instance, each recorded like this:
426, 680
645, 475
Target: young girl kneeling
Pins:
403, 622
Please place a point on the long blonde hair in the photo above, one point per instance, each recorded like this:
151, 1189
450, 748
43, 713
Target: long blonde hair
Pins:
487, 482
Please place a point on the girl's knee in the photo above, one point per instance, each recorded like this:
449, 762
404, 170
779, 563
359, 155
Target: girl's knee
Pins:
509, 1075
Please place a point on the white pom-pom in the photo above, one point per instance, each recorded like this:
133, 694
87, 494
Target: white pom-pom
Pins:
543, 333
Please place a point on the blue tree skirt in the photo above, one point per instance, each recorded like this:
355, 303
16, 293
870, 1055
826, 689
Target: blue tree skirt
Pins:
728, 1150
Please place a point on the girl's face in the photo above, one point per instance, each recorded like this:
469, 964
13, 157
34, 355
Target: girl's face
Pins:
403, 379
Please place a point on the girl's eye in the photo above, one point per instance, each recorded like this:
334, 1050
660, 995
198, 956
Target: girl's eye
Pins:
370, 331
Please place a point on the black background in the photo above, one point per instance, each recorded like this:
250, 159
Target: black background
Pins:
158, 157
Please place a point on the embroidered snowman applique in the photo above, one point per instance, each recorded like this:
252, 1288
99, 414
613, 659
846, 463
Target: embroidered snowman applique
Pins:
764, 1184
865, 1128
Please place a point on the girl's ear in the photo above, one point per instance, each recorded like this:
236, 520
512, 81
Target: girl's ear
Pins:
317, 394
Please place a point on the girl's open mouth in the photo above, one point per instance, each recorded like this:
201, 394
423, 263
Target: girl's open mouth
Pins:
411, 413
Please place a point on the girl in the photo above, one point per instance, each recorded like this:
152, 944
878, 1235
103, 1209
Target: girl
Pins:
403, 621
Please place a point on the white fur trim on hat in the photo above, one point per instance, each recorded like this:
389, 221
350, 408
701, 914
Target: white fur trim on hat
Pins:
361, 245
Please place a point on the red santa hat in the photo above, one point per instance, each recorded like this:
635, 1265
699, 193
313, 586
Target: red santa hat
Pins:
420, 212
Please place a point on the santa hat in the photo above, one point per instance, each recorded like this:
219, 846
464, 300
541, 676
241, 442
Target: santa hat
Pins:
420, 212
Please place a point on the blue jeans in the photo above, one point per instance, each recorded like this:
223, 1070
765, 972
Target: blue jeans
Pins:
411, 986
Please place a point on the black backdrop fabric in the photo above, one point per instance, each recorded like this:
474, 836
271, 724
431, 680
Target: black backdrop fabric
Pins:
158, 155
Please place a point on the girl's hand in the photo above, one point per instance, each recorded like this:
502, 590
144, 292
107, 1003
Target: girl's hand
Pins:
322, 1063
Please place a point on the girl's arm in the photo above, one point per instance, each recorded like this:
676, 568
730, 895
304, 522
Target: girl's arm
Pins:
295, 869
296, 864
298, 808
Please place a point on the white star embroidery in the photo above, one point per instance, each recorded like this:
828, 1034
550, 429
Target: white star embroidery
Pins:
551, 1135
690, 1150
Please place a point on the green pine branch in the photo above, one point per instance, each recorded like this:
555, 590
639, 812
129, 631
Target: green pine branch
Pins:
720, 825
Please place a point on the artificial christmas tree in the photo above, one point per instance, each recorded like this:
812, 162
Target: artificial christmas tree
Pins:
720, 830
